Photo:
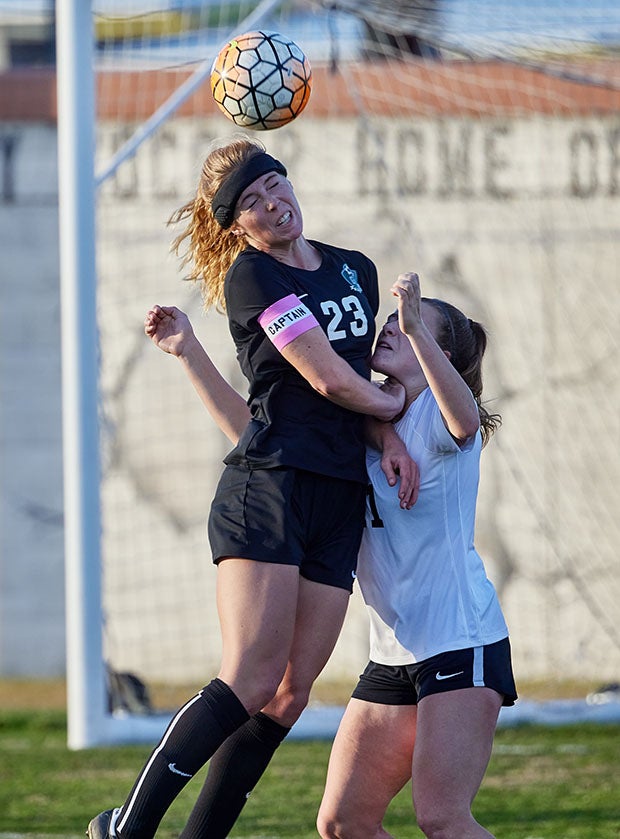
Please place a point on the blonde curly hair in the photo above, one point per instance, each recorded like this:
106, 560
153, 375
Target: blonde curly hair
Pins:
210, 249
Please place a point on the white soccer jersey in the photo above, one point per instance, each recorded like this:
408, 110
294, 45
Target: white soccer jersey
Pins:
425, 585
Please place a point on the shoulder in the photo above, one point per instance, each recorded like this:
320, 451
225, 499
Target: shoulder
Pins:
423, 420
251, 261
345, 255
255, 278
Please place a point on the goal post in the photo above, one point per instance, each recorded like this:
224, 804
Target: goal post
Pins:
89, 721
90, 718
80, 365
480, 148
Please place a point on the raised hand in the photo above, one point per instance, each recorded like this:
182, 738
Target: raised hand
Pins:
169, 329
407, 290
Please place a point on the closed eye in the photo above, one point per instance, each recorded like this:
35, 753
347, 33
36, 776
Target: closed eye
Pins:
276, 184
251, 198
248, 201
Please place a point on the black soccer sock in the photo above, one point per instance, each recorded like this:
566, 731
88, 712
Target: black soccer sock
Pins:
194, 734
234, 771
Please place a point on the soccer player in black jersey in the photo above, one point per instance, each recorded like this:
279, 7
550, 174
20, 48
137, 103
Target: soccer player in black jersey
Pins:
287, 518
440, 663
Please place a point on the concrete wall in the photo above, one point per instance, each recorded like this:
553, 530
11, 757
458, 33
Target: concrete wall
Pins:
31, 509
515, 220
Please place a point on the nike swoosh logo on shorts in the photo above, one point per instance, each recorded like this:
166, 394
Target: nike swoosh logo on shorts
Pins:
440, 678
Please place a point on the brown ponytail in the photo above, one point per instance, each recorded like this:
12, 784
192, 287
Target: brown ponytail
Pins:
466, 341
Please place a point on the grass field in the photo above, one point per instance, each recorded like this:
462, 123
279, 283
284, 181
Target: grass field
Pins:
559, 782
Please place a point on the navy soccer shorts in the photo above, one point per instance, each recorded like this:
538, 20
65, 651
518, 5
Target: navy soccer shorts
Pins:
291, 517
488, 666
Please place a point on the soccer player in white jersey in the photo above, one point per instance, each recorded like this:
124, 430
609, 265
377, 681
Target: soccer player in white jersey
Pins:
427, 704
287, 518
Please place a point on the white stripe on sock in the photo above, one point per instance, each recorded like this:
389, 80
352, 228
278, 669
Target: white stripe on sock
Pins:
112, 828
178, 716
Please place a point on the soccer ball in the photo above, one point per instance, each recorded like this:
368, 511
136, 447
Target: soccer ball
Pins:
261, 80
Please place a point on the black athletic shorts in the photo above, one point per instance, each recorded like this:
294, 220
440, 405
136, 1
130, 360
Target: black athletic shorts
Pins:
291, 517
489, 666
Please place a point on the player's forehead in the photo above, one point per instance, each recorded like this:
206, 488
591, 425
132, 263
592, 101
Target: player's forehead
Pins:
427, 310
392, 319
262, 182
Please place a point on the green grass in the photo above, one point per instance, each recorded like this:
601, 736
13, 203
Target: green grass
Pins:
559, 782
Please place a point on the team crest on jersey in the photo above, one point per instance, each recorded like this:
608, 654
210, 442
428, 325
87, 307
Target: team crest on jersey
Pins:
350, 276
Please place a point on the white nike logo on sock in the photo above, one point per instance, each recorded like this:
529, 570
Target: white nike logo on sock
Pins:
173, 768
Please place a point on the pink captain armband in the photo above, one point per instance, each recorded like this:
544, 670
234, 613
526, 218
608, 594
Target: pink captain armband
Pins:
287, 319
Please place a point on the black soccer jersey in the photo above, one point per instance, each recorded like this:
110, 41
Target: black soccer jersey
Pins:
292, 425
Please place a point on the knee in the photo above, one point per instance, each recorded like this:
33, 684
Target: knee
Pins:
329, 827
344, 828
288, 703
446, 825
435, 824
262, 692
428, 824
294, 699
255, 688
341, 821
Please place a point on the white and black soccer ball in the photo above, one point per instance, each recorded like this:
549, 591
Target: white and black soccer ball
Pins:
261, 80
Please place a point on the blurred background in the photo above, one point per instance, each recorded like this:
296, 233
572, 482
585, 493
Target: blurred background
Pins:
477, 143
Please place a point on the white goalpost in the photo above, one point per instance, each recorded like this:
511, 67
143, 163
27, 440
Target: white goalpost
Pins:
90, 721
85, 668
477, 143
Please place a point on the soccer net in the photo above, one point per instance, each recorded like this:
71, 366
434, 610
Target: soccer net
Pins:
477, 143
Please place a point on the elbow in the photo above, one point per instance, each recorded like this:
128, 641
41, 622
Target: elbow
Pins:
329, 385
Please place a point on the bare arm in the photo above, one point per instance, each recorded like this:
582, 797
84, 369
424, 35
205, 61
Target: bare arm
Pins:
330, 375
454, 398
396, 463
170, 330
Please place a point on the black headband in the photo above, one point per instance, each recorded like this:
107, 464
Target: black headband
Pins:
225, 199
